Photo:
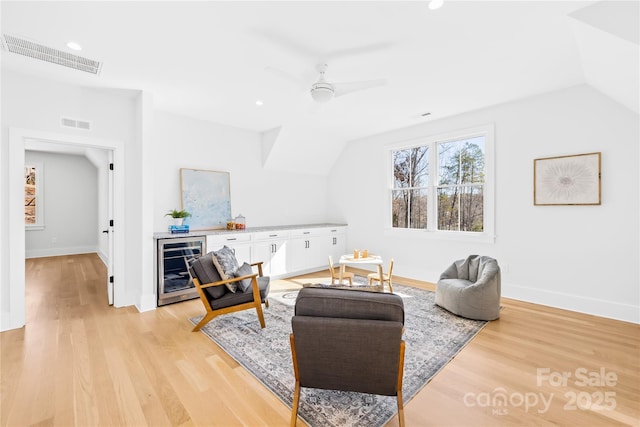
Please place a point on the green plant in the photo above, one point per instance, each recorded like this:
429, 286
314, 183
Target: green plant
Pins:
178, 213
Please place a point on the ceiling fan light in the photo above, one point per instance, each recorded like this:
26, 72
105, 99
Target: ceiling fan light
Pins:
321, 92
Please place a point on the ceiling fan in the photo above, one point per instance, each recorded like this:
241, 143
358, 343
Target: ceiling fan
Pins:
323, 91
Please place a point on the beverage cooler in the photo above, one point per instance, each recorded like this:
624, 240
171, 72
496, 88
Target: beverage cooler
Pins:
174, 255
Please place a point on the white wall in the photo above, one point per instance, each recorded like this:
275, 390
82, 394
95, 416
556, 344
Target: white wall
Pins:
263, 197
583, 258
32, 107
70, 204
149, 151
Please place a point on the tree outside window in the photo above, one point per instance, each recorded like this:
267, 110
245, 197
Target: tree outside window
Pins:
33, 203
460, 185
447, 197
411, 178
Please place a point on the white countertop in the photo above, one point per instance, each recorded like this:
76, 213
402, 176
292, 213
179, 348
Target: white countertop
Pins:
199, 233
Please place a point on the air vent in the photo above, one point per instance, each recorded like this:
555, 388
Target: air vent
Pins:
44, 53
67, 122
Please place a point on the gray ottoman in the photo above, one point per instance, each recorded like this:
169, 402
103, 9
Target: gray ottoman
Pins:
471, 288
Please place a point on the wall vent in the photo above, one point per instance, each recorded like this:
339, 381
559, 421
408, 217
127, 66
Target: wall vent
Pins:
44, 53
67, 122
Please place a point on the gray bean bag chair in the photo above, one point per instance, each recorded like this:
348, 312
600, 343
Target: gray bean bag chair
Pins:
471, 288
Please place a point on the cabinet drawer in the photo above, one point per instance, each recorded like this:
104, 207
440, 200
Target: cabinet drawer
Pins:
231, 237
266, 235
305, 232
224, 239
328, 231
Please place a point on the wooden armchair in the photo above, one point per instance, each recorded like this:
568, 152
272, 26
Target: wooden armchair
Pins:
216, 295
350, 341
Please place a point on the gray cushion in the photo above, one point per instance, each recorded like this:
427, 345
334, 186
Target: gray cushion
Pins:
205, 271
345, 303
244, 270
226, 263
229, 298
471, 288
264, 286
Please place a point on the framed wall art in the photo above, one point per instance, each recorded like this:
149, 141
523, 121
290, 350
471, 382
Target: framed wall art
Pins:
567, 180
206, 196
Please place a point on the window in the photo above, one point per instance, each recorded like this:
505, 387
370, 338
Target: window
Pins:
460, 185
444, 184
33, 203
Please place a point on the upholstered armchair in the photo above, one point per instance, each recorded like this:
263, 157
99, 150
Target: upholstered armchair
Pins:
470, 288
335, 330
240, 289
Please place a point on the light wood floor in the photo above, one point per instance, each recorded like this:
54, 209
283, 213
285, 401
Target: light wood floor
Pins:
80, 362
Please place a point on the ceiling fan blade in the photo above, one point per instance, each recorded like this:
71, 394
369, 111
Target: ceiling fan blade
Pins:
357, 50
287, 77
350, 87
288, 43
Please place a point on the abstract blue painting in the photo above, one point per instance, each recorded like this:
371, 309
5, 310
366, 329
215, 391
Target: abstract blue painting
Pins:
206, 195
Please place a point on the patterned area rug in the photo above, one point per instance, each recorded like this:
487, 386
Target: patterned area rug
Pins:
433, 337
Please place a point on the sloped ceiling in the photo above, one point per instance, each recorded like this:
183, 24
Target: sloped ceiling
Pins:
608, 38
210, 60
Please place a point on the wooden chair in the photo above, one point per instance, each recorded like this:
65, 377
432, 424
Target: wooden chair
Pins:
349, 341
216, 297
386, 277
335, 274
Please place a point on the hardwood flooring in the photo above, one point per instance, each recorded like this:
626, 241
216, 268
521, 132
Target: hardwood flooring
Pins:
80, 362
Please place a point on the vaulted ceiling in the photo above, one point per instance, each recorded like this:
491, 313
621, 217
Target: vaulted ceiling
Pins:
213, 60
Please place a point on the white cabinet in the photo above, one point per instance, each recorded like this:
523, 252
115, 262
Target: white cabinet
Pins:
285, 252
240, 243
307, 250
271, 249
336, 237
310, 249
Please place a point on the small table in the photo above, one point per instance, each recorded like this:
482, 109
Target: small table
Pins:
349, 259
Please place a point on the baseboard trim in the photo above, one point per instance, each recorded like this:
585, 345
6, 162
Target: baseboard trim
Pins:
147, 302
75, 250
103, 257
594, 306
8, 322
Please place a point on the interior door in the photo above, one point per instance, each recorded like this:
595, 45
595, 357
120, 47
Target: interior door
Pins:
109, 229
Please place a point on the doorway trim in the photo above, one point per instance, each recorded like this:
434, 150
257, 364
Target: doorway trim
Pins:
16, 233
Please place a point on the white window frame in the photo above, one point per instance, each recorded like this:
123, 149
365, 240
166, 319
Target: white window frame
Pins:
488, 233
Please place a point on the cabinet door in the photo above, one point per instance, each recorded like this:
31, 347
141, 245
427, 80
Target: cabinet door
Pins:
337, 245
318, 251
262, 252
303, 253
242, 253
273, 255
278, 262
296, 259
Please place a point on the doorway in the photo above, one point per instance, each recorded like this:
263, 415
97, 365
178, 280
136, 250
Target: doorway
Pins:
19, 139
78, 186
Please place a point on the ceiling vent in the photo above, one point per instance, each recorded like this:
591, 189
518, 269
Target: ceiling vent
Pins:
44, 53
67, 122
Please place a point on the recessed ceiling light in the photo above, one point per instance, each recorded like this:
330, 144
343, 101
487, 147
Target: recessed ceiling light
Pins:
259, 103
74, 45
435, 4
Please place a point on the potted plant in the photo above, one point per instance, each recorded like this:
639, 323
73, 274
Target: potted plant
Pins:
178, 216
